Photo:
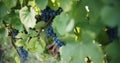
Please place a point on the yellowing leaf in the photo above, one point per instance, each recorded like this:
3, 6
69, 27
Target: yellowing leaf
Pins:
27, 17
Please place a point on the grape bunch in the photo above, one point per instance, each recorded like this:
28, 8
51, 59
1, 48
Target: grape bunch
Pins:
23, 53
50, 32
48, 13
112, 33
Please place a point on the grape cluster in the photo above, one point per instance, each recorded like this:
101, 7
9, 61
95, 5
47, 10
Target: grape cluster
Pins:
112, 33
23, 53
48, 13
50, 32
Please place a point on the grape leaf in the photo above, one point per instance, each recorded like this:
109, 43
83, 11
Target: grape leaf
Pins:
10, 3
17, 60
27, 17
112, 51
110, 15
53, 4
95, 7
41, 3
102, 38
66, 5
39, 25
112, 2
32, 33
90, 31
3, 10
35, 46
24, 39
67, 24
78, 13
75, 52
3, 34
14, 20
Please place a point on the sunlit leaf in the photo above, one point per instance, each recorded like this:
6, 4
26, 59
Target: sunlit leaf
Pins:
66, 5
27, 17
17, 59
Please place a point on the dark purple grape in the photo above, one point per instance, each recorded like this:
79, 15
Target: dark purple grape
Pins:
23, 53
112, 33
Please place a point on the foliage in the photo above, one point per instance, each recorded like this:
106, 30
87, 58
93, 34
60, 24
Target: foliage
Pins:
89, 28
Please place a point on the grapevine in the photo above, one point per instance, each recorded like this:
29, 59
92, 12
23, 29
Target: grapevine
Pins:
59, 31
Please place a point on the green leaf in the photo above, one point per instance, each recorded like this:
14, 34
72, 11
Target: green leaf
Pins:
62, 25
66, 4
32, 33
102, 38
14, 20
3, 10
39, 25
3, 34
41, 3
27, 17
22, 41
112, 2
53, 4
10, 3
112, 51
19, 42
75, 52
90, 31
31, 44
110, 15
17, 59
78, 13
35, 46
95, 7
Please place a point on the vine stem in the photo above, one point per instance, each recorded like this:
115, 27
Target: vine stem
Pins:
47, 24
11, 35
